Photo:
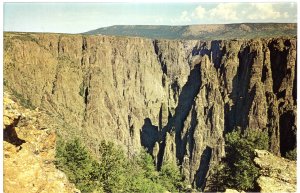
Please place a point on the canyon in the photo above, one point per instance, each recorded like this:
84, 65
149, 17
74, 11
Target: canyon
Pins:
176, 98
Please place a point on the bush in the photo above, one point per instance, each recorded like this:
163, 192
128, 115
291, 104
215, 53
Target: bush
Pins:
82, 170
113, 172
146, 162
171, 178
237, 170
292, 155
112, 167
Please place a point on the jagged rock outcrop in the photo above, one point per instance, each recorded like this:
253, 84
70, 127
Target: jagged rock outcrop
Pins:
276, 174
176, 98
29, 149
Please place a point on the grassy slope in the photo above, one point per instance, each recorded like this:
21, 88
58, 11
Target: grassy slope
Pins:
205, 32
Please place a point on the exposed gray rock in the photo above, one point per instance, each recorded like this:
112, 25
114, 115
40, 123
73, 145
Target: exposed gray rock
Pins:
276, 174
176, 98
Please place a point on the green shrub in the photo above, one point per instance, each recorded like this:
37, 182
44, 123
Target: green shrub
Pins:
112, 167
237, 170
292, 155
146, 162
171, 178
114, 172
74, 159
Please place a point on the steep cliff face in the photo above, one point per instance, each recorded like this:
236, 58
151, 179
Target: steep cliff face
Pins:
176, 98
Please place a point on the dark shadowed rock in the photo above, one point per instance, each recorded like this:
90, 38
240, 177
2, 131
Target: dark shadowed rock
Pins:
176, 98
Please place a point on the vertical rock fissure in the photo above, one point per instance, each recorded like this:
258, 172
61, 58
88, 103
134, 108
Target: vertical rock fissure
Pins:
278, 65
181, 95
185, 102
159, 57
237, 113
191, 139
201, 173
175, 124
287, 132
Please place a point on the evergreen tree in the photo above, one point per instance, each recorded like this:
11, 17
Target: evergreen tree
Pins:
171, 178
113, 172
81, 169
238, 170
112, 167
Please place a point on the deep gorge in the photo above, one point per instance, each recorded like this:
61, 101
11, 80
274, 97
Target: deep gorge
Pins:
177, 98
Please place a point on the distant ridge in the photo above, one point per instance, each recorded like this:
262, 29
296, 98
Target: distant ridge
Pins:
202, 31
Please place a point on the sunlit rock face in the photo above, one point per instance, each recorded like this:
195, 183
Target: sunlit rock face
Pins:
29, 151
177, 98
276, 174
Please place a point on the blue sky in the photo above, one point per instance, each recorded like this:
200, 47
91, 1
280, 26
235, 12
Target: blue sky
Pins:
81, 17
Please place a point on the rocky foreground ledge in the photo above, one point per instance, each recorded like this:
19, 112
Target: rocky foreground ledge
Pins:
277, 174
29, 151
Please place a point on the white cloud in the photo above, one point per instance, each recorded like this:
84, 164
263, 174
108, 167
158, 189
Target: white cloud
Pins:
184, 16
199, 12
263, 11
286, 15
225, 11
292, 5
237, 12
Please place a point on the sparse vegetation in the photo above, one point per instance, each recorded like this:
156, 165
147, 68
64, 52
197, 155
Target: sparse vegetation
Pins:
113, 172
23, 101
25, 37
203, 32
292, 155
237, 169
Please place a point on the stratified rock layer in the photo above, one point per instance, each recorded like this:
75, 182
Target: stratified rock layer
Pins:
29, 149
276, 174
176, 98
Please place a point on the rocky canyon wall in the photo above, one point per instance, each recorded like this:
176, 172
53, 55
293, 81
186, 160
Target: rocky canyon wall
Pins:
176, 98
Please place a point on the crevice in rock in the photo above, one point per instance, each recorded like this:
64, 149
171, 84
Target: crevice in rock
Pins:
176, 122
176, 88
209, 117
10, 134
84, 44
281, 94
185, 102
57, 71
278, 65
228, 121
188, 138
191, 139
201, 173
54, 84
264, 73
86, 94
216, 53
149, 135
287, 132
159, 57
58, 45
235, 114
160, 117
